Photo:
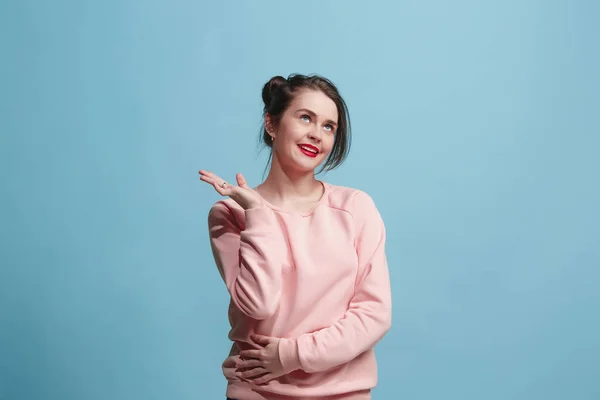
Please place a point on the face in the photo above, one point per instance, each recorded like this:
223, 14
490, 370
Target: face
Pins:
305, 134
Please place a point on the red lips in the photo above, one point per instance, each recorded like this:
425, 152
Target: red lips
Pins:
306, 149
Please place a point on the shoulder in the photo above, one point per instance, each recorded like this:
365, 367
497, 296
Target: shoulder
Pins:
353, 200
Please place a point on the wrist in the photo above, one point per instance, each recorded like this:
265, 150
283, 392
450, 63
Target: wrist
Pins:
253, 206
288, 355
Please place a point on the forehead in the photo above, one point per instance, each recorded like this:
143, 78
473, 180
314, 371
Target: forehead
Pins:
315, 101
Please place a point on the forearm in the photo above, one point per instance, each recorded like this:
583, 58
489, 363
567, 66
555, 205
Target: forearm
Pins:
250, 263
359, 330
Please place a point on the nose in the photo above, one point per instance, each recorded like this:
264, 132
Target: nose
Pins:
315, 134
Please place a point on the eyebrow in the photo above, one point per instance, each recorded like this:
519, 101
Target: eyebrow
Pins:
306, 110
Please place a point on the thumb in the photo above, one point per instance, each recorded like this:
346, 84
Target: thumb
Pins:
241, 180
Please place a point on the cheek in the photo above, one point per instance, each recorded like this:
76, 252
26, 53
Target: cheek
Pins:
291, 131
328, 143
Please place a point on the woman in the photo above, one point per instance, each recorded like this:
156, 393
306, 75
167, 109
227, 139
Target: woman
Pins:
303, 260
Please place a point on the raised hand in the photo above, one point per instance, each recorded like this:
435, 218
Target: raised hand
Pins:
242, 194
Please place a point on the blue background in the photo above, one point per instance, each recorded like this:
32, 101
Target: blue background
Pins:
476, 131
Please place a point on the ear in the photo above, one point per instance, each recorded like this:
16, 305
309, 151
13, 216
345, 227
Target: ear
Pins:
269, 125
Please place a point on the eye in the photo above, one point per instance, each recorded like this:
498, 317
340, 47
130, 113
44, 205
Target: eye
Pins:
305, 117
329, 127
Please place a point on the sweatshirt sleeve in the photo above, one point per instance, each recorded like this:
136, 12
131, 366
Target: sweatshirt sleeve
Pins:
368, 317
248, 260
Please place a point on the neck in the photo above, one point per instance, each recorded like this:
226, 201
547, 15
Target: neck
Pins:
283, 185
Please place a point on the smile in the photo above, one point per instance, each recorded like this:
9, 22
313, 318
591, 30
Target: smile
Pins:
309, 150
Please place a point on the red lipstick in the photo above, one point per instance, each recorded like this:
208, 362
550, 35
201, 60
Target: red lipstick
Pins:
309, 150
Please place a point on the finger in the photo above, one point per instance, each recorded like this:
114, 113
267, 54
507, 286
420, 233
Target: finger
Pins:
216, 184
208, 174
264, 340
263, 379
241, 181
213, 181
251, 354
253, 373
253, 362
222, 187
210, 178
216, 180
206, 179
224, 191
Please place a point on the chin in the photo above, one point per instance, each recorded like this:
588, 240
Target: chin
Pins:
303, 168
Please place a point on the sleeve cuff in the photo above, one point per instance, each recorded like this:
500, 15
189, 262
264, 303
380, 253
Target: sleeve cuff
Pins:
288, 355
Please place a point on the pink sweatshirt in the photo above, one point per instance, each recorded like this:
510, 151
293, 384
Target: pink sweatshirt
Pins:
319, 281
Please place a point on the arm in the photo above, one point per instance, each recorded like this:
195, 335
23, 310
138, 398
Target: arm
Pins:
248, 260
368, 317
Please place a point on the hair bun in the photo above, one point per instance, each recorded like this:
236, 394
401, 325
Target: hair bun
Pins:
270, 87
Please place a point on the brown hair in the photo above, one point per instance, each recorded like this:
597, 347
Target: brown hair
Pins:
278, 93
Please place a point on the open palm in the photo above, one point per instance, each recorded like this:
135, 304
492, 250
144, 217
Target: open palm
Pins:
242, 194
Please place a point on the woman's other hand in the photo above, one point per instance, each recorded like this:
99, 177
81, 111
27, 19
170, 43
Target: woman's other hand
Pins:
262, 365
